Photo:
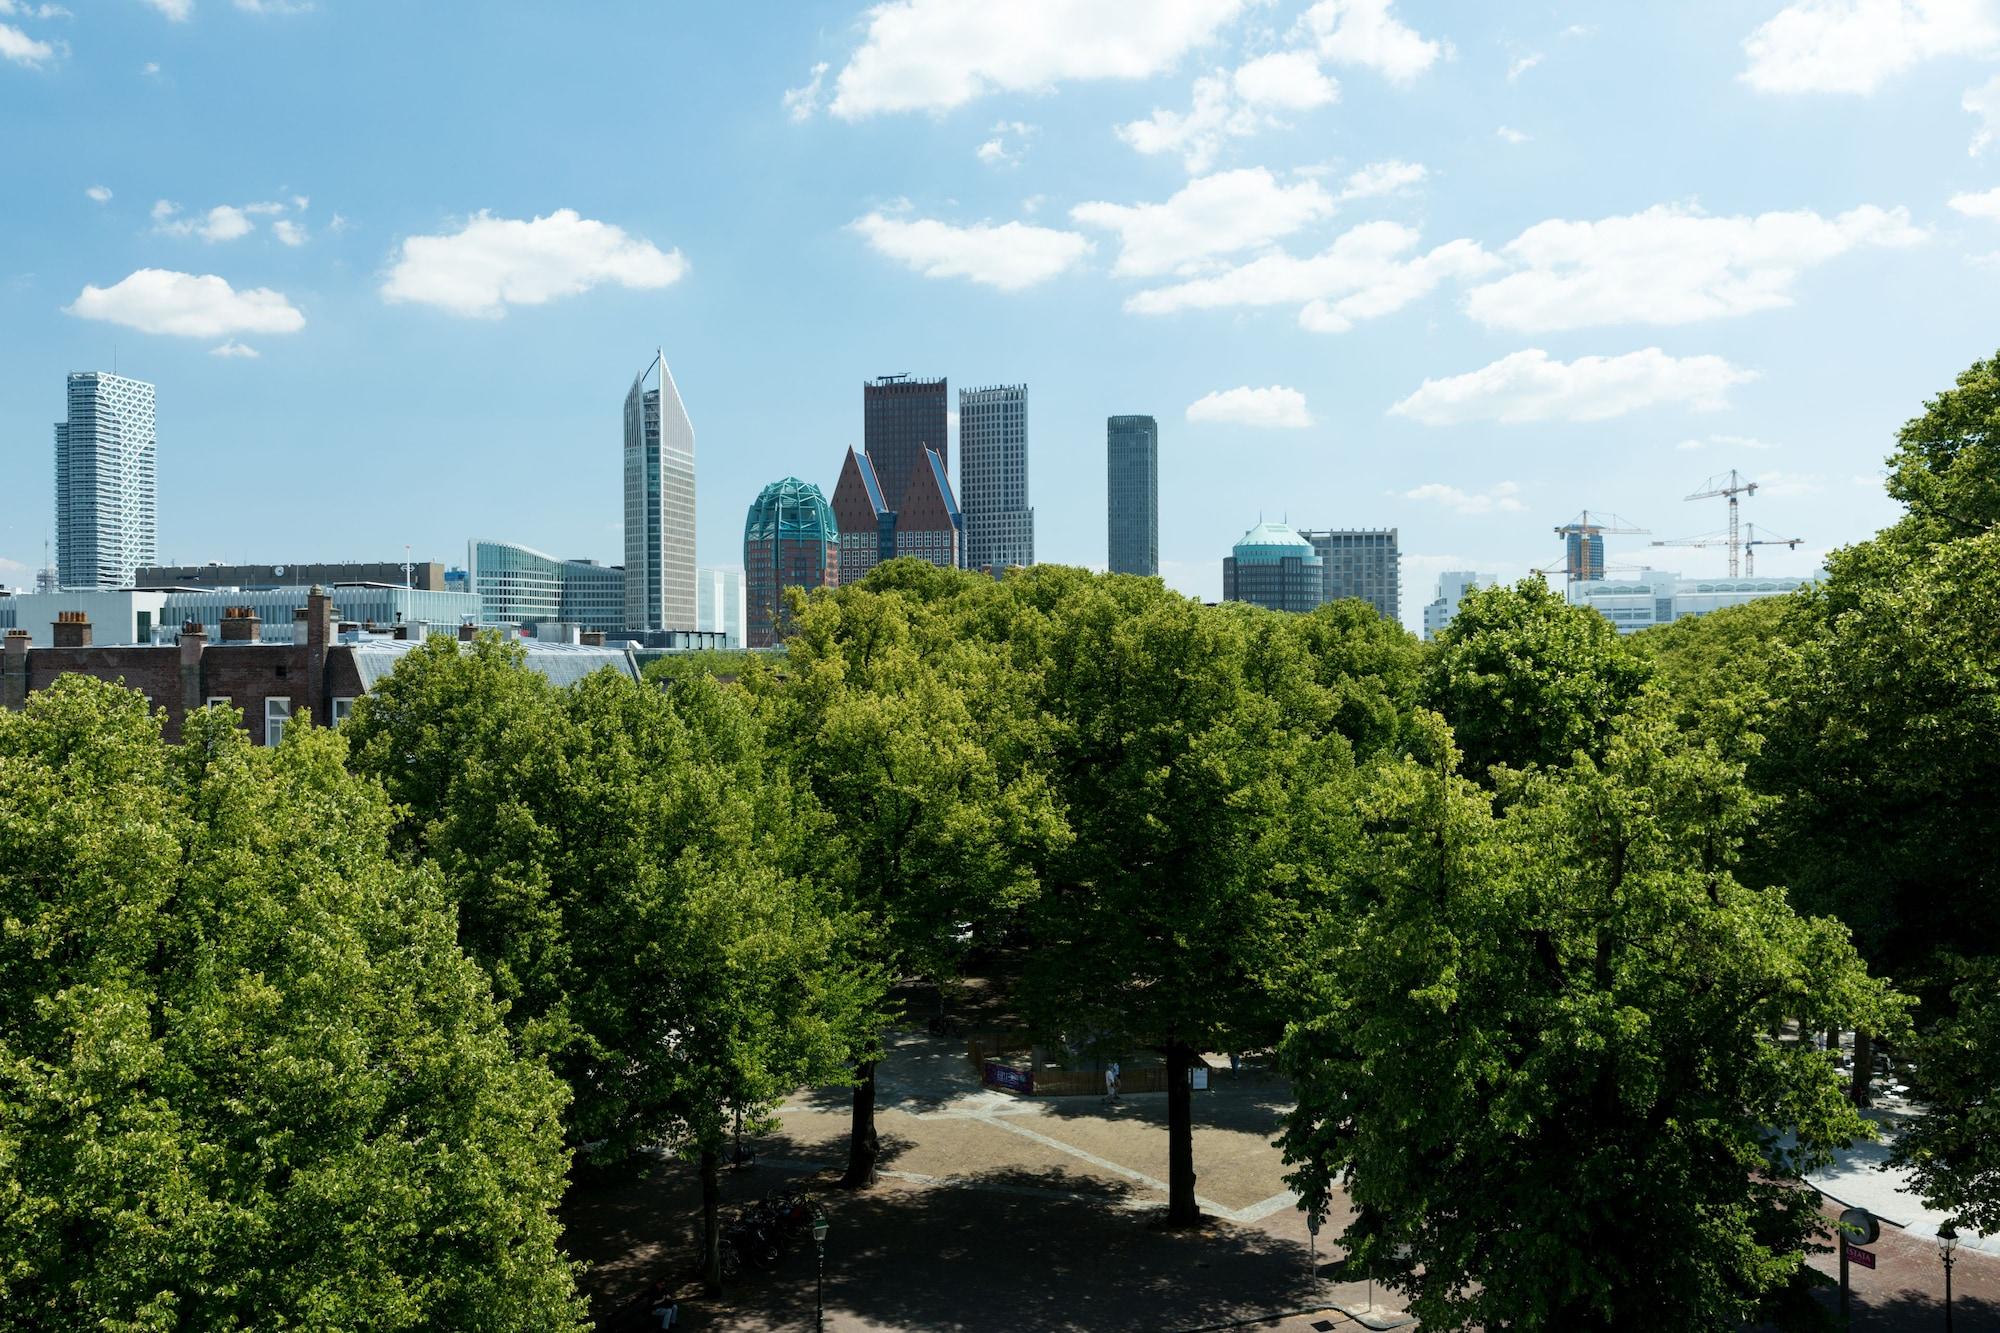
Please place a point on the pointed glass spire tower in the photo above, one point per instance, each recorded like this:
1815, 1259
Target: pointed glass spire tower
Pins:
659, 503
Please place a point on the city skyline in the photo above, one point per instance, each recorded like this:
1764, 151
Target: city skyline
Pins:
443, 314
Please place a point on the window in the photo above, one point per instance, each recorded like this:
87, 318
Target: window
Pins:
216, 701
341, 708
277, 712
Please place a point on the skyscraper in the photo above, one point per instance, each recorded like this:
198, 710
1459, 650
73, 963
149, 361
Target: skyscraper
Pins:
1273, 567
929, 524
867, 523
790, 540
993, 477
1132, 494
900, 418
722, 603
106, 509
1363, 563
659, 504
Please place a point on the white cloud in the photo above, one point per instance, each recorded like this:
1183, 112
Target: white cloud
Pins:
1731, 442
1500, 499
802, 103
1272, 408
274, 6
1286, 80
1196, 134
1983, 102
22, 49
1011, 256
1790, 485
1510, 135
1528, 386
176, 10
155, 300
491, 263
1985, 204
28, 11
1523, 64
1854, 46
234, 349
150, 67
1367, 272
1364, 32
301, 202
933, 55
996, 152
290, 232
1379, 178
224, 222
1213, 215
1670, 265
99, 194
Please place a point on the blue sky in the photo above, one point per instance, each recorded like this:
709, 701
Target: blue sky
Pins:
1462, 270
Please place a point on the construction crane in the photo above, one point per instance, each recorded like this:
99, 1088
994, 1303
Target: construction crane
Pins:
1750, 548
1580, 561
1735, 486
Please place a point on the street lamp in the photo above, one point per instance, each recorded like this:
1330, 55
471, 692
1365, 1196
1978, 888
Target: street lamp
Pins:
1947, 1255
819, 1288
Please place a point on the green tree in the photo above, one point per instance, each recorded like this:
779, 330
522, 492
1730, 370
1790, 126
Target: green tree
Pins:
247, 1078
1525, 678
1539, 1052
1953, 1150
1169, 918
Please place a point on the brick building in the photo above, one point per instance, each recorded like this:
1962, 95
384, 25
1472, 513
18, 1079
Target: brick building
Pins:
322, 672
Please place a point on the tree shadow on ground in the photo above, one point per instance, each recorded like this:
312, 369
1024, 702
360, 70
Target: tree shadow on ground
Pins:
1010, 1248
1913, 1311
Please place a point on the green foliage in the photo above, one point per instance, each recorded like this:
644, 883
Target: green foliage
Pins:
724, 663
1946, 467
1953, 1151
1524, 678
1539, 1049
247, 1078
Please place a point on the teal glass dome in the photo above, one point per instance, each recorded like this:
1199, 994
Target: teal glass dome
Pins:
791, 510
1268, 543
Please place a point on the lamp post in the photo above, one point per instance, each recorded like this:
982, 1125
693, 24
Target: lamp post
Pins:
819, 1286
1947, 1255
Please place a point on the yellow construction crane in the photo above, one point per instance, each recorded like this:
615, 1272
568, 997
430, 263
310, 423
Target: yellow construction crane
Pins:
1583, 545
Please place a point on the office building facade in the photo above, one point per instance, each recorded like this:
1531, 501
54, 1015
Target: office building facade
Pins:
659, 503
866, 520
428, 575
929, 525
1362, 563
993, 477
720, 604
900, 418
1652, 597
1452, 585
518, 585
1132, 494
107, 512
1272, 566
790, 540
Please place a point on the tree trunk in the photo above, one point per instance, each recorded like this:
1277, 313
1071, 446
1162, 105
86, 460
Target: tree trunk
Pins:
1182, 1210
863, 1146
1833, 1041
711, 1221
1864, 1068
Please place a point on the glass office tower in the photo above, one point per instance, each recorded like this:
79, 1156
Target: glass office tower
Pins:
1132, 494
790, 540
993, 477
659, 503
106, 508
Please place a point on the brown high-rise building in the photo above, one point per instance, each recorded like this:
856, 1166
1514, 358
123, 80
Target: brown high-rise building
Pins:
790, 540
900, 418
928, 526
867, 524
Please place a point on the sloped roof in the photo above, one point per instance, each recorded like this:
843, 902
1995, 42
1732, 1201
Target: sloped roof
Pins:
562, 663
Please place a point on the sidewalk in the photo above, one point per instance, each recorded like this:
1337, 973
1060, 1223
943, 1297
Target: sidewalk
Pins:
1861, 1178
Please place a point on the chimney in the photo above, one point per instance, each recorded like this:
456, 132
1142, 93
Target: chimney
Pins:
241, 624
319, 617
14, 670
71, 629
193, 640
592, 638
468, 632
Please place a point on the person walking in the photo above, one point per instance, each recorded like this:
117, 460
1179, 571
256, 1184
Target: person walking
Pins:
1111, 1082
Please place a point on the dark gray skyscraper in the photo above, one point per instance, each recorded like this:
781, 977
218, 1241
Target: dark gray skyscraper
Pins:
1132, 494
659, 504
106, 511
993, 477
900, 418
1362, 563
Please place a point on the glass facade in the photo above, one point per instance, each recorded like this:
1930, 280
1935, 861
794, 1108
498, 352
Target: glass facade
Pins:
444, 612
900, 418
659, 504
106, 494
1132, 494
790, 540
1362, 563
721, 603
1275, 568
518, 585
993, 477
1651, 597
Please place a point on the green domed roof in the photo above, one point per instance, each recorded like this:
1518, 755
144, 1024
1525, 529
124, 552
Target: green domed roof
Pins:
1272, 542
791, 509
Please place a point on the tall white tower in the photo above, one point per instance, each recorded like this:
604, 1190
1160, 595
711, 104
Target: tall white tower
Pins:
993, 477
107, 515
659, 503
